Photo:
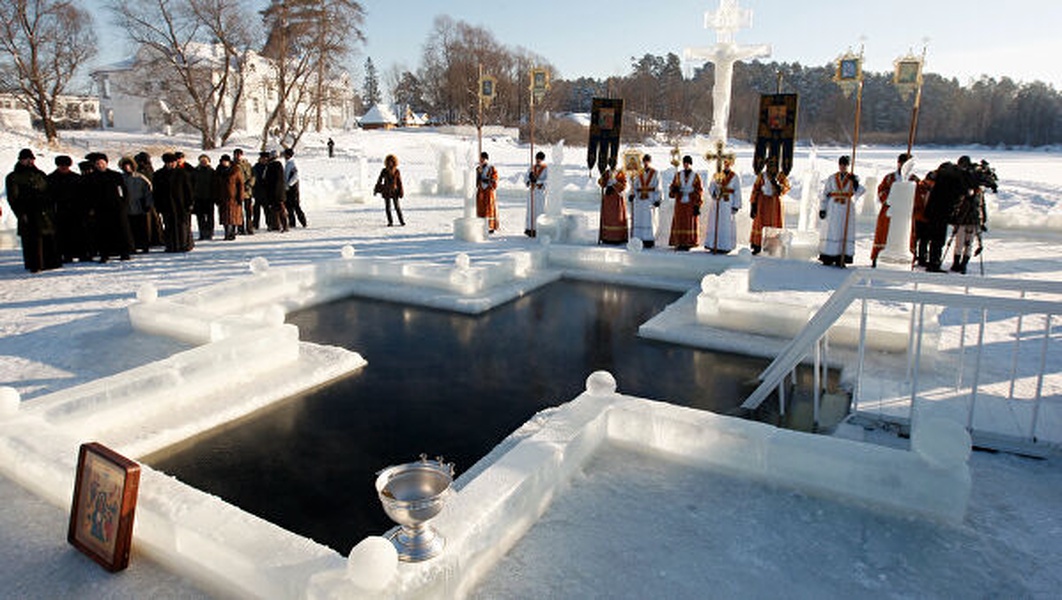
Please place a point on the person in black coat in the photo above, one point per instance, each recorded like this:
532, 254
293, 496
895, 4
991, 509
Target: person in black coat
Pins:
173, 198
27, 194
258, 190
951, 183
110, 200
71, 211
275, 190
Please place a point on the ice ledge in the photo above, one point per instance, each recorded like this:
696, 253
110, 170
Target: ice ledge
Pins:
494, 509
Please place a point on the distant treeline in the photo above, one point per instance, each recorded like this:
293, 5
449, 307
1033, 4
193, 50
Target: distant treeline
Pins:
988, 111
660, 100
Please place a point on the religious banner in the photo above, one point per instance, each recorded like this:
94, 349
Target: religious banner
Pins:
606, 120
539, 83
908, 75
849, 72
487, 85
776, 132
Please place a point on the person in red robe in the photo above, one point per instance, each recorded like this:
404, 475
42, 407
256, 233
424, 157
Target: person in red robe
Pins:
613, 228
920, 229
486, 184
688, 191
766, 202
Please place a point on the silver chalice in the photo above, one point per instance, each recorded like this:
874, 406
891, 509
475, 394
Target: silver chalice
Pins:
412, 494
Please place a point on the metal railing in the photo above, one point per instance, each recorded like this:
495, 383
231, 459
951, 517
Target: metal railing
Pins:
1013, 305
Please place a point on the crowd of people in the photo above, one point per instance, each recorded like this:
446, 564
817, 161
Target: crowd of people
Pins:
97, 213
951, 197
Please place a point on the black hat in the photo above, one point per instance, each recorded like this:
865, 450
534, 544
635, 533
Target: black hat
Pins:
688, 160
142, 157
25, 153
288, 152
63, 161
540, 156
168, 157
225, 158
178, 155
844, 160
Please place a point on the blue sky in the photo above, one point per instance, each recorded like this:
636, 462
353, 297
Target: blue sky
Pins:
1018, 38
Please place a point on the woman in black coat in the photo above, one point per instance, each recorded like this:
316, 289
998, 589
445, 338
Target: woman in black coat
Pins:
389, 185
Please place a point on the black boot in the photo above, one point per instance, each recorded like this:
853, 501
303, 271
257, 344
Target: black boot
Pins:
956, 264
962, 265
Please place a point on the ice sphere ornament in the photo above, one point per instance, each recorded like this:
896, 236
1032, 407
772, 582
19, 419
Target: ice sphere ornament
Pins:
372, 563
600, 383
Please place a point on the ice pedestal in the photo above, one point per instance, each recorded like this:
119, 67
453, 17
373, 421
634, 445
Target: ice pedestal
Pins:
470, 229
901, 202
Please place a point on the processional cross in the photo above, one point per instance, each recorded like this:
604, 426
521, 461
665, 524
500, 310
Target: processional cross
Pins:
726, 22
719, 156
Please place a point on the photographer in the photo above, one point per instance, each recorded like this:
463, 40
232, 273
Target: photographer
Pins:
969, 216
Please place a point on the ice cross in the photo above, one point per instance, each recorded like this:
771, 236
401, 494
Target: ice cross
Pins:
726, 22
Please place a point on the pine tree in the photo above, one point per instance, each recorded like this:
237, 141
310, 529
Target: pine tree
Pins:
371, 86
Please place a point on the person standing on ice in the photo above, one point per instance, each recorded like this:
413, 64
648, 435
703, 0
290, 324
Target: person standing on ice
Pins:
238, 161
172, 191
292, 200
203, 185
645, 196
837, 241
140, 203
725, 192
110, 201
229, 184
389, 185
535, 179
613, 227
766, 202
27, 194
687, 190
486, 184
275, 194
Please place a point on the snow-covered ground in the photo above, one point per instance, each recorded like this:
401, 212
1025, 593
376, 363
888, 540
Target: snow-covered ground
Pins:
66, 327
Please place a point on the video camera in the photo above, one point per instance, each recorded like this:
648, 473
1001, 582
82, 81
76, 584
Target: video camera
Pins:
984, 175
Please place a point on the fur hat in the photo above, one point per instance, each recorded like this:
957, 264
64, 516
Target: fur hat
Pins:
25, 153
63, 161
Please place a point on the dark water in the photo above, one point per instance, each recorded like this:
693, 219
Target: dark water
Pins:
444, 384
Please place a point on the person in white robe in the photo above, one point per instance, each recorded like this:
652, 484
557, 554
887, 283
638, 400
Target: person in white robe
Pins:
535, 179
725, 195
837, 235
644, 198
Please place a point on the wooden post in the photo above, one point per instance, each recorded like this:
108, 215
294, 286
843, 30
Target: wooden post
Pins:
917, 104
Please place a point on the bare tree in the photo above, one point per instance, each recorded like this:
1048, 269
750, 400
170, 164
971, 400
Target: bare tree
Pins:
44, 43
307, 40
192, 56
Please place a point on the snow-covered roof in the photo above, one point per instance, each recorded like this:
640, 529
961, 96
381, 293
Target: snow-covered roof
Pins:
379, 114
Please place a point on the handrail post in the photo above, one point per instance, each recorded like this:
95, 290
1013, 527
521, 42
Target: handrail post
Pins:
1014, 355
857, 393
1040, 379
977, 370
918, 361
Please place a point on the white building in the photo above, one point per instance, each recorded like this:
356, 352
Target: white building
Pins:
130, 102
71, 111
